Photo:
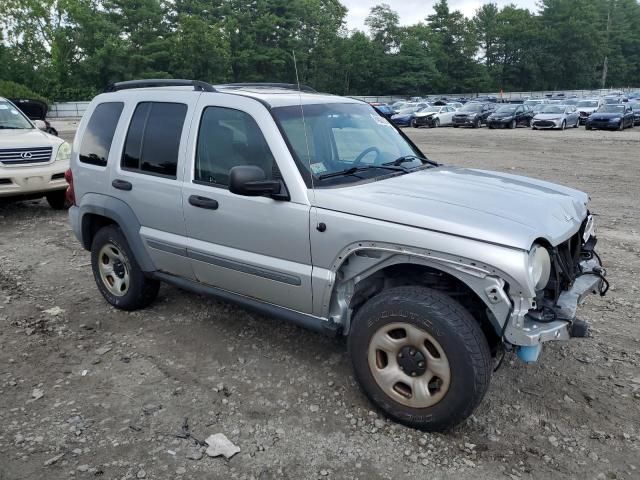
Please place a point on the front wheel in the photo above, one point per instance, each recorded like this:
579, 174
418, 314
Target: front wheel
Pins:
117, 274
621, 127
414, 123
512, 125
563, 125
436, 123
420, 357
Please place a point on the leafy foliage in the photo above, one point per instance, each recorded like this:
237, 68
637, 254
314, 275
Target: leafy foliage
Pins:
72, 49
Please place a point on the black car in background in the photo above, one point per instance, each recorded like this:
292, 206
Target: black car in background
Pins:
614, 116
510, 116
35, 110
473, 114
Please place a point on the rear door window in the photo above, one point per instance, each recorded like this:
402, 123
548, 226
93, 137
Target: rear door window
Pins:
97, 138
153, 139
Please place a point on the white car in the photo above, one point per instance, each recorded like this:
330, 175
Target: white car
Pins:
588, 106
434, 116
32, 162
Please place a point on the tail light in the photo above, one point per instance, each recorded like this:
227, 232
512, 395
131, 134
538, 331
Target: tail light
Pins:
70, 194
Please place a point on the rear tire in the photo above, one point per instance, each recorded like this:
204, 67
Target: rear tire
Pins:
451, 362
57, 200
117, 273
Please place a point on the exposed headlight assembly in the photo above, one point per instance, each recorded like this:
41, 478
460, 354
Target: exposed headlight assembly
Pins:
617, 119
539, 266
64, 152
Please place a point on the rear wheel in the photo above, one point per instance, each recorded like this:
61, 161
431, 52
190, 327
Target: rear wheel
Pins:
57, 200
420, 357
117, 274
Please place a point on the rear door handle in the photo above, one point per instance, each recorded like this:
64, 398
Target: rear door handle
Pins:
203, 202
121, 184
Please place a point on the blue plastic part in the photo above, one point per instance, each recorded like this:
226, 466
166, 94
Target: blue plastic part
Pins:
529, 354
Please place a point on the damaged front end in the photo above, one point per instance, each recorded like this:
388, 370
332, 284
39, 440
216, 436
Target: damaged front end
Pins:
575, 272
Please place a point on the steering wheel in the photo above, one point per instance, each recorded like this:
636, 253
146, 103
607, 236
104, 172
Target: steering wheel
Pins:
364, 153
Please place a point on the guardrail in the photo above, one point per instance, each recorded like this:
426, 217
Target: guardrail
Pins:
67, 109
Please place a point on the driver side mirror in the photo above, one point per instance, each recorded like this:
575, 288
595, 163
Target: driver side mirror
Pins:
251, 181
40, 124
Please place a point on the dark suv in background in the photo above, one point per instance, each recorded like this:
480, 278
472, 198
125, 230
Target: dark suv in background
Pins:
473, 114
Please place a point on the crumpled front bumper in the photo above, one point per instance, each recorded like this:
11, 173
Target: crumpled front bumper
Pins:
523, 329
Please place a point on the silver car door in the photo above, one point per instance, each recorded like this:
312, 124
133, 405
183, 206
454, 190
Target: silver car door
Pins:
148, 175
253, 246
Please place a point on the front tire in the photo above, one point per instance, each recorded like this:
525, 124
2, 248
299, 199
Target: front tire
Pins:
117, 273
420, 357
57, 200
512, 124
563, 125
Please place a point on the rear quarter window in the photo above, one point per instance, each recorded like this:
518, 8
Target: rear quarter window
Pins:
97, 138
153, 139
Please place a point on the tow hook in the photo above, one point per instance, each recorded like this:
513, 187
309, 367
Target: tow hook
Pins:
579, 329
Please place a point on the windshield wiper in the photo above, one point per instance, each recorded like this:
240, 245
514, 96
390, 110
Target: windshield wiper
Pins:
352, 170
408, 158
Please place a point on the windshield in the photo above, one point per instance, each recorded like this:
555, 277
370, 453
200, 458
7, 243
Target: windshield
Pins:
11, 118
588, 103
507, 109
611, 109
471, 107
611, 100
532, 102
341, 136
431, 109
635, 106
552, 109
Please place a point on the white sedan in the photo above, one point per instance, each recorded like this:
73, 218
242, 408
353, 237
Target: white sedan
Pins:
435, 116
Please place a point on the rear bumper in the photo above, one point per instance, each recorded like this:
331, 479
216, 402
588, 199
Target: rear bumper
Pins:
19, 181
524, 329
74, 221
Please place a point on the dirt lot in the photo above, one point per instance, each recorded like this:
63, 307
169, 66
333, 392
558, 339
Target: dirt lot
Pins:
115, 388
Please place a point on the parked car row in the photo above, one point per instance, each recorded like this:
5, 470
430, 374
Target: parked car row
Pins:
536, 113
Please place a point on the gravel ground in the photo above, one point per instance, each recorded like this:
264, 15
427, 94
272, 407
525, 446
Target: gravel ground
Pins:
87, 391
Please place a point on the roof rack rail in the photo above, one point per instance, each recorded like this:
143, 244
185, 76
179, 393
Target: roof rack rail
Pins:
286, 86
160, 82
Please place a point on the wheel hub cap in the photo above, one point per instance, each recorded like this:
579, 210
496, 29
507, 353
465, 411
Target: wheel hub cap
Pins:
412, 361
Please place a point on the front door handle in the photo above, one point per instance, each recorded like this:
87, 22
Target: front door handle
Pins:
121, 184
203, 202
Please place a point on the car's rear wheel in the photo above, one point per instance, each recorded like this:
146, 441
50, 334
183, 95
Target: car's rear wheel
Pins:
420, 357
57, 200
117, 274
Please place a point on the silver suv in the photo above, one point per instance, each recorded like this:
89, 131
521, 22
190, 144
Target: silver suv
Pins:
315, 209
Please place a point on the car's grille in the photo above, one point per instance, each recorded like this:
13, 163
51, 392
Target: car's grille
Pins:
543, 123
565, 263
601, 123
584, 114
24, 156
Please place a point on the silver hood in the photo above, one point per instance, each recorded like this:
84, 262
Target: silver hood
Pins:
493, 207
550, 116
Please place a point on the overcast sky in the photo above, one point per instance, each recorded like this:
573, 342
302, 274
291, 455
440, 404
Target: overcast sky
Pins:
413, 11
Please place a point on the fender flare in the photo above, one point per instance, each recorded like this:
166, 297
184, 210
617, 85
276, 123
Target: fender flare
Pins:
118, 211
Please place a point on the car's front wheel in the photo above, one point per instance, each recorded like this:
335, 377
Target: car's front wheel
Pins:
420, 357
57, 200
117, 274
